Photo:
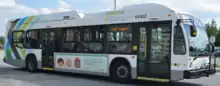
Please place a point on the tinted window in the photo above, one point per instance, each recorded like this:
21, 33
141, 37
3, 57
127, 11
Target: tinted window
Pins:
143, 43
72, 35
160, 43
71, 40
94, 47
32, 39
179, 41
93, 40
119, 39
120, 34
93, 34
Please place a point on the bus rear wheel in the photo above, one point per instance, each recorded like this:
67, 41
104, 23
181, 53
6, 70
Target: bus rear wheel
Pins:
31, 64
121, 72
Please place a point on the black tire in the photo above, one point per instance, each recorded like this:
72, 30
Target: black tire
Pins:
31, 64
125, 76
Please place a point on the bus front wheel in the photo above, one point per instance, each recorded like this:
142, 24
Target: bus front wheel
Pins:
31, 64
121, 72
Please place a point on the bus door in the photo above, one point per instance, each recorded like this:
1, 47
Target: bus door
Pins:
154, 50
48, 48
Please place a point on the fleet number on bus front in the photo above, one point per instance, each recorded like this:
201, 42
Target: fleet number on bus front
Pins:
141, 16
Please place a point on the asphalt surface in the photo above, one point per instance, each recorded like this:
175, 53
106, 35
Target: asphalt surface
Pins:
11, 76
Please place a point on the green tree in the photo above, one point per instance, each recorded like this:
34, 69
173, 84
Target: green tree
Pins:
217, 42
1, 41
212, 28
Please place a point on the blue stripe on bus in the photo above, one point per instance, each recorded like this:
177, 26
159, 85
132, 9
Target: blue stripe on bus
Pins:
17, 27
20, 23
8, 47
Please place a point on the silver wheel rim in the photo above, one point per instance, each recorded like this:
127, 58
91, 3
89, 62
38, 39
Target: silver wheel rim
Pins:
122, 68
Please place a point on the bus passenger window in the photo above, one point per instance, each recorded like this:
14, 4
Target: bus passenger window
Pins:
32, 39
71, 40
179, 41
119, 39
93, 40
72, 35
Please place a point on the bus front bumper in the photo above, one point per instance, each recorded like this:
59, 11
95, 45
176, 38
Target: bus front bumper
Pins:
203, 72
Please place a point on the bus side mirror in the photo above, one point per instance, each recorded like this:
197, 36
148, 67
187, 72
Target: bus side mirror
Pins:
193, 31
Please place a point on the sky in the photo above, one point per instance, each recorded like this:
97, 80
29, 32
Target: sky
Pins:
206, 10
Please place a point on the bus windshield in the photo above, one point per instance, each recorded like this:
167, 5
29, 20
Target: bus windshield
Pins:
198, 46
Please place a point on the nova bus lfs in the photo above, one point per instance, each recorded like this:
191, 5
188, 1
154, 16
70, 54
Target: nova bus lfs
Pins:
146, 42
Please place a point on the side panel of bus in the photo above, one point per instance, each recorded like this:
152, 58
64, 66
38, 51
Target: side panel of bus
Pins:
96, 64
81, 50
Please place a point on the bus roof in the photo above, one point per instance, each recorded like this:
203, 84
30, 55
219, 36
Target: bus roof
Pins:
127, 14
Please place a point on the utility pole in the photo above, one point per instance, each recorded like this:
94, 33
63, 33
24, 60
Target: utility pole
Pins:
115, 3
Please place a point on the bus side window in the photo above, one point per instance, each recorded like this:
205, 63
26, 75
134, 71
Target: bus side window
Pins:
119, 39
71, 40
179, 41
32, 39
93, 40
18, 38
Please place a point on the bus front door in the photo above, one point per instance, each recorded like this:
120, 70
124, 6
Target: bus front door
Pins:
48, 48
154, 51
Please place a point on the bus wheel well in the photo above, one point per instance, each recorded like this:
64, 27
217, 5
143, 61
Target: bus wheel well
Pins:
121, 60
120, 70
30, 56
31, 63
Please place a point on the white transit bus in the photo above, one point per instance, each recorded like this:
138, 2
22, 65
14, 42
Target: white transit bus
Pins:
144, 42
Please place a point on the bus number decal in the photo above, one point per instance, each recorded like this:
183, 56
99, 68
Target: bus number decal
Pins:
142, 16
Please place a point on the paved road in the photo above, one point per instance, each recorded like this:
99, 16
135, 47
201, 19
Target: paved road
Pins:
218, 61
19, 77
11, 76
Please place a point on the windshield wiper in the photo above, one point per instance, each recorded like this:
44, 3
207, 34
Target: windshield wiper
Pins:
200, 53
